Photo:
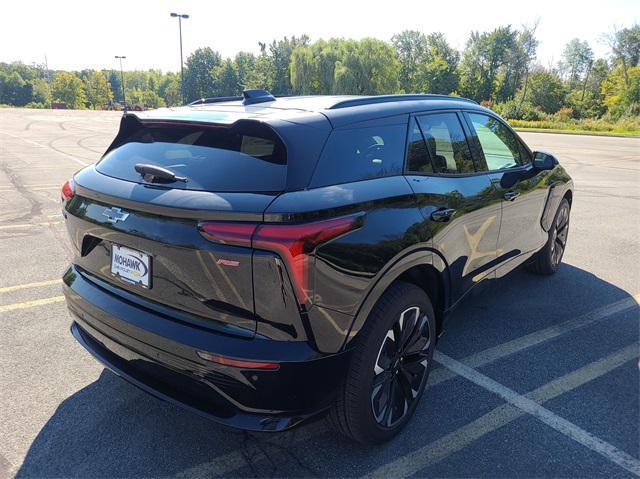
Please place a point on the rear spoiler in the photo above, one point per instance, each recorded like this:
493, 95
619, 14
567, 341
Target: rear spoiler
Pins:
130, 123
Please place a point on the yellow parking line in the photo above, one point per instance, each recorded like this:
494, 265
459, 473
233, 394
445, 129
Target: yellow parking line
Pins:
30, 304
37, 284
27, 225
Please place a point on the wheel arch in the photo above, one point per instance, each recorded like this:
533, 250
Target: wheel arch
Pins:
425, 269
569, 196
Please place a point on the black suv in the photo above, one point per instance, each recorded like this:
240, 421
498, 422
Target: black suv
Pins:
264, 260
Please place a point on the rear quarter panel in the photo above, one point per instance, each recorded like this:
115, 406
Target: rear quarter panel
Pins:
347, 269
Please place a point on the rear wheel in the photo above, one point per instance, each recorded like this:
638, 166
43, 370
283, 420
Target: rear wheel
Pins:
547, 260
390, 367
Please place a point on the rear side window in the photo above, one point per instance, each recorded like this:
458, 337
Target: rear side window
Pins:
418, 159
446, 143
355, 154
246, 157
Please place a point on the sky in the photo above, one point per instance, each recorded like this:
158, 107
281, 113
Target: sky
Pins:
73, 35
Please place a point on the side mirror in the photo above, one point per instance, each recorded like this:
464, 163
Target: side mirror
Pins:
544, 161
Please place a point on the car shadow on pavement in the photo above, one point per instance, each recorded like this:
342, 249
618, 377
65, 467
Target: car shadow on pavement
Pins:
110, 428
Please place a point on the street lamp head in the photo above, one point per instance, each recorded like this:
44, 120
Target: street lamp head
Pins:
174, 14
185, 16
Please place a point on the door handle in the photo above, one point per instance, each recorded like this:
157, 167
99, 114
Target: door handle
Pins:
443, 214
511, 195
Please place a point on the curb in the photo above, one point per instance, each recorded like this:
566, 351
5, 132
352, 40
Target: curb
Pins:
574, 133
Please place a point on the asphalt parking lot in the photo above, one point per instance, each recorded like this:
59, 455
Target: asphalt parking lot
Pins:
536, 376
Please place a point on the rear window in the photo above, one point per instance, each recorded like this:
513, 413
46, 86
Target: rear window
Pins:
246, 157
355, 154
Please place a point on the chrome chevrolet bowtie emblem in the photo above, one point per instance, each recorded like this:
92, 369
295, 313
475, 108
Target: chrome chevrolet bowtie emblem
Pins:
115, 214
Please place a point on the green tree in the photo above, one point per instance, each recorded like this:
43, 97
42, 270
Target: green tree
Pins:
41, 93
325, 56
113, 76
169, 89
280, 58
625, 46
622, 92
150, 99
438, 72
199, 81
577, 58
302, 71
68, 89
97, 89
226, 79
15, 90
369, 67
412, 49
546, 90
528, 45
261, 75
245, 63
486, 64
587, 100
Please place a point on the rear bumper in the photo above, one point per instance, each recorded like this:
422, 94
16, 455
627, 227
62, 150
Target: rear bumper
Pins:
157, 353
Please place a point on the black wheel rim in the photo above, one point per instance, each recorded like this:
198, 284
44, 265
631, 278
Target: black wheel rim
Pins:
560, 233
401, 367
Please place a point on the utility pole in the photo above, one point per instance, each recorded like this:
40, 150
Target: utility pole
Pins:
124, 98
180, 16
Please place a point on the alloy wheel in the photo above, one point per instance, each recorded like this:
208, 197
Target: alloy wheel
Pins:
401, 367
560, 233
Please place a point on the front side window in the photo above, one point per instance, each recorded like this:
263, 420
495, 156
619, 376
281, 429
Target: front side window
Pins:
355, 154
446, 143
500, 147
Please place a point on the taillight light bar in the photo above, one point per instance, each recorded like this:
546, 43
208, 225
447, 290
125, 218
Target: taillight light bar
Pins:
68, 190
294, 243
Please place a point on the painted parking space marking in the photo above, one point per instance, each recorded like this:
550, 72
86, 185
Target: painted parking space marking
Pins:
508, 348
30, 304
37, 284
516, 407
226, 464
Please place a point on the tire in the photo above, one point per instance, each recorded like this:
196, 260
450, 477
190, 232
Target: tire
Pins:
378, 370
547, 260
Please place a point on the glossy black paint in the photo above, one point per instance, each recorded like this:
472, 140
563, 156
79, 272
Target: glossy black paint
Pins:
445, 233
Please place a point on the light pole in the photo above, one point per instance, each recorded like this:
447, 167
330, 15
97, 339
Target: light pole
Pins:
180, 17
124, 98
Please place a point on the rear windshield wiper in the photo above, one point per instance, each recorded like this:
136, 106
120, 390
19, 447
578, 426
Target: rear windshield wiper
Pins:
153, 172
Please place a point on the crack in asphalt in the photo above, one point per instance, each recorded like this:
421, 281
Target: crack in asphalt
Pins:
31, 197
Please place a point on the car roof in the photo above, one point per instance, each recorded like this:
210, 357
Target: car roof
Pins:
339, 110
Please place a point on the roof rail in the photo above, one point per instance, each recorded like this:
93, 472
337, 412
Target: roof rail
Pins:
202, 101
371, 100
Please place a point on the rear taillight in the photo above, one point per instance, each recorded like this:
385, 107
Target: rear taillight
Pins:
294, 243
238, 234
68, 190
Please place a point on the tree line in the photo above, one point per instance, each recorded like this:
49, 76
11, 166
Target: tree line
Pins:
497, 68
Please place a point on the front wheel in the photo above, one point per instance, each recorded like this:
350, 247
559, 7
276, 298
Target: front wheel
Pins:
389, 368
547, 260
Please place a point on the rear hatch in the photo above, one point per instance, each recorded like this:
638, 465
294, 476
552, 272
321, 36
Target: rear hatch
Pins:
134, 219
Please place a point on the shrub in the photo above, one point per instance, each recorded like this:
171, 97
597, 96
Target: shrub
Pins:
513, 110
563, 114
35, 104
